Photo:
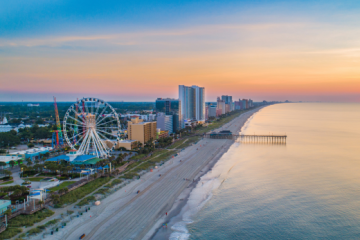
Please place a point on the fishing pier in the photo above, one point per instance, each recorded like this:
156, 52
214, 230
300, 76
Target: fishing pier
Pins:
261, 139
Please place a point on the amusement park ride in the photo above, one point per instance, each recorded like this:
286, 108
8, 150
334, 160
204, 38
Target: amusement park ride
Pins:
91, 126
57, 137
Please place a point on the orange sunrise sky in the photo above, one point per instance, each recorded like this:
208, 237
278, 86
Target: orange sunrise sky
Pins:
293, 51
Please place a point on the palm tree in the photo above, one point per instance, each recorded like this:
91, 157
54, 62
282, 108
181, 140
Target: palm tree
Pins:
37, 161
19, 162
2, 165
41, 203
12, 163
29, 162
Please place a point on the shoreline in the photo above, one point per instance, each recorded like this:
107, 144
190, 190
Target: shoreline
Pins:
128, 215
182, 200
180, 203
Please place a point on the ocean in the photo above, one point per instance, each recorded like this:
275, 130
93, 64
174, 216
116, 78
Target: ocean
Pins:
306, 189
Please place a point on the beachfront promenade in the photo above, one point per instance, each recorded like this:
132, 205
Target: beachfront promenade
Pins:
133, 218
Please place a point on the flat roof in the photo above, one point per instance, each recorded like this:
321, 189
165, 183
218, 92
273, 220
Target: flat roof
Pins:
88, 162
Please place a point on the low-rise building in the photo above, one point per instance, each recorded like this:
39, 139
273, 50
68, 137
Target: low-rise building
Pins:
128, 144
4, 205
162, 134
141, 131
212, 111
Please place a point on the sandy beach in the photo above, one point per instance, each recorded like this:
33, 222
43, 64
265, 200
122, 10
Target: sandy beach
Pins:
128, 215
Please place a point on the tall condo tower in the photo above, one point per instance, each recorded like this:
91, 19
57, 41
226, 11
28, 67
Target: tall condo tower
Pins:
192, 103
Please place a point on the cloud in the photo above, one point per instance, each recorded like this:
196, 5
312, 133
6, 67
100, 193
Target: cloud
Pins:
141, 37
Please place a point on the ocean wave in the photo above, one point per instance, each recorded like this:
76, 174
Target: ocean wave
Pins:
246, 125
200, 195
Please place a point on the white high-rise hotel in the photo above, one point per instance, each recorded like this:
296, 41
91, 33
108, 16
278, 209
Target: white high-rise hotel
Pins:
192, 103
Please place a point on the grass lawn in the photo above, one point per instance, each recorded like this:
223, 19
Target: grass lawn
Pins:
36, 179
220, 122
29, 220
86, 201
61, 186
177, 143
82, 191
151, 162
39, 229
113, 183
138, 157
10, 232
6, 182
190, 141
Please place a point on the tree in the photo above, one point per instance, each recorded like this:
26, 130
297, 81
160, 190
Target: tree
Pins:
61, 191
8, 212
12, 163
28, 162
2, 165
66, 190
7, 173
37, 161
9, 139
41, 203
30, 145
39, 121
17, 192
19, 162
55, 198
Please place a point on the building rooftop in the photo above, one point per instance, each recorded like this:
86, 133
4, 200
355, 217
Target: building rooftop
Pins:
127, 141
87, 162
80, 158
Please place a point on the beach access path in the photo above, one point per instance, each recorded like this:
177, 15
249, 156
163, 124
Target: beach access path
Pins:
128, 215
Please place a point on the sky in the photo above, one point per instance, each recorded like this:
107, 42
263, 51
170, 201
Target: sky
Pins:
141, 50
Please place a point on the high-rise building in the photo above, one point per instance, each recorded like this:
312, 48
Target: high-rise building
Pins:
164, 122
245, 104
227, 108
141, 131
171, 106
206, 112
192, 103
221, 106
227, 99
238, 105
251, 103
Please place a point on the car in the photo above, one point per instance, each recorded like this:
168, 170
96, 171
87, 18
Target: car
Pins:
28, 186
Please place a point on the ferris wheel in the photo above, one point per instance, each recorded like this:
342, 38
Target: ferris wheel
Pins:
92, 127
